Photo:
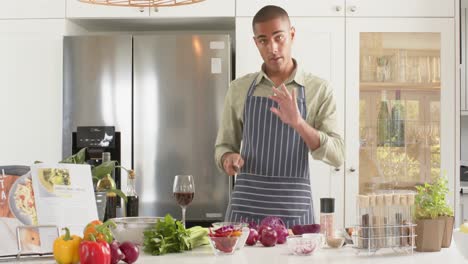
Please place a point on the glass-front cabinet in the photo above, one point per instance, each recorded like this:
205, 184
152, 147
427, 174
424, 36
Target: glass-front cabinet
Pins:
400, 105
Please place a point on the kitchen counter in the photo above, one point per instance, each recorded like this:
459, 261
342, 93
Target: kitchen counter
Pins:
279, 255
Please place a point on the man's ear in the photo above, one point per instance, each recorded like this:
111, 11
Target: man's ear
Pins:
293, 33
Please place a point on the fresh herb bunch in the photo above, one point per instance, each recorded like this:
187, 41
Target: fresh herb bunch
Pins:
170, 236
431, 200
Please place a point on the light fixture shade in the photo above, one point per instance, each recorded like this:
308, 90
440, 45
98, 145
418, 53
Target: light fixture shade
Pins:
142, 3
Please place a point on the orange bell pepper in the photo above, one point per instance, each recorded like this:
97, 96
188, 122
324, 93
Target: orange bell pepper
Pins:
99, 230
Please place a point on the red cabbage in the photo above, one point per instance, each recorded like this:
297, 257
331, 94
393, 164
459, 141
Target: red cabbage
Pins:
272, 221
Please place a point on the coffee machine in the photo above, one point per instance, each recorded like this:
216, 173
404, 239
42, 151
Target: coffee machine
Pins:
97, 140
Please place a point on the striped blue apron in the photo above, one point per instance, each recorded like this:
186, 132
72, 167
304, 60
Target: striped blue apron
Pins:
274, 180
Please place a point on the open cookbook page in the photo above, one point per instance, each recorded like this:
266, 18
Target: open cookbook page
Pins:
64, 195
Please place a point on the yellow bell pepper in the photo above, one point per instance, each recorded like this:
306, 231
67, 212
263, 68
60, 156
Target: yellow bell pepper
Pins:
66, 248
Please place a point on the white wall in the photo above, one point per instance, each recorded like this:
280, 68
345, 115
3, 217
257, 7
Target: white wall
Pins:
30, 90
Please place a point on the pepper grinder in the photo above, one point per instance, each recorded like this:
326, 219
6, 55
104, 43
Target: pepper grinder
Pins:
327, 216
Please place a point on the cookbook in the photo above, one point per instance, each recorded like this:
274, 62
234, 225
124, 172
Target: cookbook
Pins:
37, 201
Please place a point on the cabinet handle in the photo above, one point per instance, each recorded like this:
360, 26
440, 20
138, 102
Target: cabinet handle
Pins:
352, 169
352, 8
156, 9
338, 8
141, 9
337, 169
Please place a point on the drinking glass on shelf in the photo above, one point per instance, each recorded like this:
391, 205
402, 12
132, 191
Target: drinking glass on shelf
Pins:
183, 190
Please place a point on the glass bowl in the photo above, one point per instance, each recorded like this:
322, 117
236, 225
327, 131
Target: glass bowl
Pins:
132, 228
237, 225
304, 245
335, 242
224, 245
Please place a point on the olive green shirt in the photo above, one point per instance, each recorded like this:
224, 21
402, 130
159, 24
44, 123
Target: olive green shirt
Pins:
321, 114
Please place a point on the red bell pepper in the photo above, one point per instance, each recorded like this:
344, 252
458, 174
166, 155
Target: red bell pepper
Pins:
95, 252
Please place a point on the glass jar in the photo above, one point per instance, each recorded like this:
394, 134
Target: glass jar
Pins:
327, 216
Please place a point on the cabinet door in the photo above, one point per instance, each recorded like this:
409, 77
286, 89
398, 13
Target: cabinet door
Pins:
319, 49
77, 9
31, 86
207, 8
464, 57
293, 7
33, 9
400, 8
400, 114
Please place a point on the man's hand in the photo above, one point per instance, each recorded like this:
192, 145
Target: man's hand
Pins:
232, 162
287, 111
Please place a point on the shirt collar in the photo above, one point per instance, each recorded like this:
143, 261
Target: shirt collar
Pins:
297, 75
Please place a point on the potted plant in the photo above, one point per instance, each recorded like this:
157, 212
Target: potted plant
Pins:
97, 172
432, 214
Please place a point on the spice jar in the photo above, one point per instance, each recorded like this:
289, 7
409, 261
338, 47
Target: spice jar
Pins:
327, 216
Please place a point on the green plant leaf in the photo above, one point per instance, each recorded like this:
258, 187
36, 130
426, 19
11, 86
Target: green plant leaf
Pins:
431, 200
119, 193
78, 158
103, 169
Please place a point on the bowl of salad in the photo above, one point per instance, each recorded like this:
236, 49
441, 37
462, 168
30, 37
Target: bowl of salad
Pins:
224, 239
244, 227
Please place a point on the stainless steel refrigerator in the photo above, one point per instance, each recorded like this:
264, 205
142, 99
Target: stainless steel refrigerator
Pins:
164, 94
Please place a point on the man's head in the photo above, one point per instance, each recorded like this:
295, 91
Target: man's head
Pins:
273, 36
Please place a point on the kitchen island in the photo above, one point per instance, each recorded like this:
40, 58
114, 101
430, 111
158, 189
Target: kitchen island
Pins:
279, 255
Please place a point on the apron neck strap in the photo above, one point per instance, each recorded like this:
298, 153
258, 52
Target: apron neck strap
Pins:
300, 93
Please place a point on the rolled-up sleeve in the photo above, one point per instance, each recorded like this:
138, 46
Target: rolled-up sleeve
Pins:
331, 150
230, 130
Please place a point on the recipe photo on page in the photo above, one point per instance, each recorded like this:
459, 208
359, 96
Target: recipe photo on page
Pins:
16, 206
64, 195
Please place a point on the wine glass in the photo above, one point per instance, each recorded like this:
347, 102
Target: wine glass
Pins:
184, 190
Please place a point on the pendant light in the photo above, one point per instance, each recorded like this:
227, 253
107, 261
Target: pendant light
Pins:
142, 3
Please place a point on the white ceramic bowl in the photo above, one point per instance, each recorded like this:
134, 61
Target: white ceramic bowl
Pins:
243, 226
461, 242
132, 228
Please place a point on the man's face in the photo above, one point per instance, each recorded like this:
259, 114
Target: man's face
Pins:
274, 39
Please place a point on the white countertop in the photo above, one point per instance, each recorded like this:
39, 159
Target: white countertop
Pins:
279, 255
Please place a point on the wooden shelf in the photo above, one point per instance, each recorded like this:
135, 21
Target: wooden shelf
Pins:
376, 86
392, 52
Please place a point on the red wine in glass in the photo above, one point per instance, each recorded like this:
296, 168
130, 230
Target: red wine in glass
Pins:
184, 199
184, 191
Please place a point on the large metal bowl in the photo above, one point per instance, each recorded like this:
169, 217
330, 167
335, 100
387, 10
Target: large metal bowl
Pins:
132, 228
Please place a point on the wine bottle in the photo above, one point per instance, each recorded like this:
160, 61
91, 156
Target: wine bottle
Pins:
383, 135
398, 122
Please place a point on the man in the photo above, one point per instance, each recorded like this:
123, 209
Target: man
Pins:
279, 114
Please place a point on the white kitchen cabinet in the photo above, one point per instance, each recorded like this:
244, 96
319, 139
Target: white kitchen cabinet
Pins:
32, 9
318, 49
207, 8
400, 8
77, 9
464, 58
31, 90
400, 113
294, 8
